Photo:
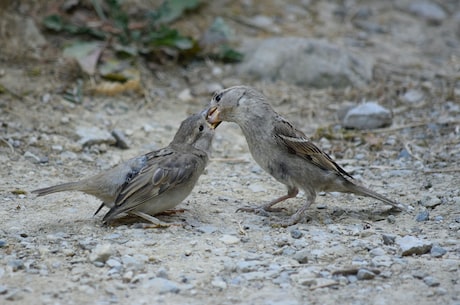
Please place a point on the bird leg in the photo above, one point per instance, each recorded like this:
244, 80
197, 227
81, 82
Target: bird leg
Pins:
267, 207
299, 214
154, 222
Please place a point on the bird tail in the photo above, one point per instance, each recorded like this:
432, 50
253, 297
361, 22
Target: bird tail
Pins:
364, 191
69, 186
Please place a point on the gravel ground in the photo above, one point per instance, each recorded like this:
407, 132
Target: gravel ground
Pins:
350, 250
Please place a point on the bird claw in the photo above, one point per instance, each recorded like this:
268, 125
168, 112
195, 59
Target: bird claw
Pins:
260, 210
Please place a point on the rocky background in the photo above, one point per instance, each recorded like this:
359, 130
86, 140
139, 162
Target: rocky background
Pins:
375, 83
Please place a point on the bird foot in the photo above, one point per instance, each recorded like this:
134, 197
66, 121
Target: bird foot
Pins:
260, 210
172, 212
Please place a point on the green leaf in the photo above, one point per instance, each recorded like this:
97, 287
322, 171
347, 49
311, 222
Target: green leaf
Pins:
53, 22
170, 38
228, 54
171, 10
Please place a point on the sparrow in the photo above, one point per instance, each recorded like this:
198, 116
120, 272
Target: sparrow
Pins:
283, 151
154, 182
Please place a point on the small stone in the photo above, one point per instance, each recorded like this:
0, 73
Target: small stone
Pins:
92, 136
388, 239
364, 274
437, 251
101, 253
296, 234
16, 264
411, 245
2, 243
302, 256
127, 276
367, 116
121, 139
229, 239
431, 281
430, 11
31, 156
218, 282
431, 202
423, 216
113, 263
391, 219
3, 289
377, 252
162, 286
413, 96
438, 218
208, 229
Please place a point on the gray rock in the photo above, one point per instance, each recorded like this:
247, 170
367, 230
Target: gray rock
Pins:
101, 253
388, 239
93, 135
162, 286
367, 116
431, 202
431, 281
305, 62
377, 252
423, 216
121, 140
16, 264
364, 274
412, 245
256, 188
208, 229
429, 11
413, 96
218, 282
229, 239
302, 256
437, 251
296, 234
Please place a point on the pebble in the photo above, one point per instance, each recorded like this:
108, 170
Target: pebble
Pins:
3, 289
302, 256
229, 239
410, 245
364, 274
162, 286
208, 229
218, 282
437, 251
367, 116
388, 239
377, 252
391, 219
3, 243
120, 137
413, 96
431, 202
101, 253
285, 58
16, 264
93, 135
296, 234
247, 266
431, 281
423, 216
430, 11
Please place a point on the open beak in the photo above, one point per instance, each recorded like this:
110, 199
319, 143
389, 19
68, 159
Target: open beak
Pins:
213, 117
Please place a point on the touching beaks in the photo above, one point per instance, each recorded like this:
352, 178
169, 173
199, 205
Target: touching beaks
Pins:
213, 117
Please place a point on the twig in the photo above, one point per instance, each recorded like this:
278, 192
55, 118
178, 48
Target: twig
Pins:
395, 128
8, 144
241, 230
443, 170
409, 151
324, 285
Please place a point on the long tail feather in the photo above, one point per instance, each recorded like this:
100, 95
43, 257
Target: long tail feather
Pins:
70, 186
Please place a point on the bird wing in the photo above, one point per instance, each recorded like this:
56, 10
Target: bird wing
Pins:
296, 142
164, 170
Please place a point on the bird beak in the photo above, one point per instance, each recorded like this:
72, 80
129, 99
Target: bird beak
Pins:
213, 117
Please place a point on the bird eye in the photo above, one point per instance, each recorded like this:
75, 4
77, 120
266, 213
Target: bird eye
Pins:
201, 128
218, 97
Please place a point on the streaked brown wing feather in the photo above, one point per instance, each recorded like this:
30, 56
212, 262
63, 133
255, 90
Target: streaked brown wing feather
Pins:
298, 143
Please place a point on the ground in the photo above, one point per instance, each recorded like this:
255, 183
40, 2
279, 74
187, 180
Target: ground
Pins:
54, 251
